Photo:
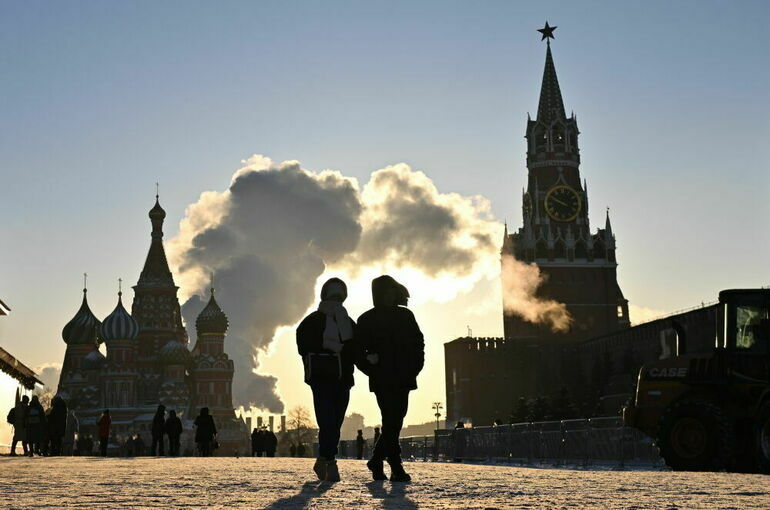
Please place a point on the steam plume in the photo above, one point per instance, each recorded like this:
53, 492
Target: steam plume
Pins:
278, 227
519, 296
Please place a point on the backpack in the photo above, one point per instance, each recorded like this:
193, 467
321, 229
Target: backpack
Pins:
11, 416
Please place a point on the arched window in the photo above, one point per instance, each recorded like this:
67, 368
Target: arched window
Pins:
558, 136
560, 250
541, 137
580, 250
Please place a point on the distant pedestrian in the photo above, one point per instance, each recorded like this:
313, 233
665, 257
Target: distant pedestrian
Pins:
139, 445
360, 443
376, 435
301, 450
173, 429
35, 424
71, 429
395, 351
57, 424
104, 424
158, 425
16, 417
205, 432
293, 450
257, 443
271, 443
326, 342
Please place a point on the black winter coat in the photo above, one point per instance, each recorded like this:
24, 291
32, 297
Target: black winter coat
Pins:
173, 426
158, 425
392, 333
205, 430
310, 334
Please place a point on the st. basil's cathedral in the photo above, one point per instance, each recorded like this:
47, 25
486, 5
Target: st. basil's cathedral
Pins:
148, 361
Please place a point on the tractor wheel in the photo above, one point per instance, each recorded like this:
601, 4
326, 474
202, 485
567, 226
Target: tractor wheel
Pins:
694, 435
762, 438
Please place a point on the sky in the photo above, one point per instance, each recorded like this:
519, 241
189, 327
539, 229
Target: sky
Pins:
99, 101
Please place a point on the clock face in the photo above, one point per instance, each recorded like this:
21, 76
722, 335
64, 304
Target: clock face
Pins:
562, 203
526, 206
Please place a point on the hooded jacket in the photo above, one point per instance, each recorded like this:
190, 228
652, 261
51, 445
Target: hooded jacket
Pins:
391, 332
310, 341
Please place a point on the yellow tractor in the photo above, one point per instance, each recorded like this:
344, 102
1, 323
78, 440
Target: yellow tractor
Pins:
711, 411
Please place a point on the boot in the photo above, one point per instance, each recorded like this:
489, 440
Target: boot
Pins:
320, 468
332, 472
397, 473
375, 466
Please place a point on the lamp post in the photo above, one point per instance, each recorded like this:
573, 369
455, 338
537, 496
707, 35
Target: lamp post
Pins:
437, 407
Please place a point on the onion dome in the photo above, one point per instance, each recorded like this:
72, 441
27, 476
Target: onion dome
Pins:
174, 353
119, 325
83, 328
94, 360
212, 319
157, 212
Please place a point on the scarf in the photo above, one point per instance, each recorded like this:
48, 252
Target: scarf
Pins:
338, 327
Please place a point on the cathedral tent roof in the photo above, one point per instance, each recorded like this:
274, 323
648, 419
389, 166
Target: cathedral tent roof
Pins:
83, 328
156, 271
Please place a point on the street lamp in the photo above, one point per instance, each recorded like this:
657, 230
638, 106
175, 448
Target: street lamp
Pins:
437, 407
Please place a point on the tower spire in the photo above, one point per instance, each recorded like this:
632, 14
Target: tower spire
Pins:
551, 106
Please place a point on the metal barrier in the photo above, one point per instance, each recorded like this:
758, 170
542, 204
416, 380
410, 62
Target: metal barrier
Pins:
595, 441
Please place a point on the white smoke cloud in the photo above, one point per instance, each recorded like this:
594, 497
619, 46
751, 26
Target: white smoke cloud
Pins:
519, 296
49, 373
278, 228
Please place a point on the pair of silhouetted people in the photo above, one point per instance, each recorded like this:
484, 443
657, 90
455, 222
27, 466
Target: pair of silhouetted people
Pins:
205, 433
386, 344
263, 441
135, 445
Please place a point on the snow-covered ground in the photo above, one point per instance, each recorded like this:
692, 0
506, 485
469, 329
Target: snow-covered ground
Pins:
288, 483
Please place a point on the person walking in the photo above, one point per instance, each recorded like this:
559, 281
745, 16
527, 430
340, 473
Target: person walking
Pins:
17, 416
205, 432
395, 351
325, 340
360, 443
104, 424
271, 443
257, 442
158, 425
57, 424
376, 435
173, 429
35, 424
71, 428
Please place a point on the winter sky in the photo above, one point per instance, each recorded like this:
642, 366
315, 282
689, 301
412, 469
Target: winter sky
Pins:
99, 101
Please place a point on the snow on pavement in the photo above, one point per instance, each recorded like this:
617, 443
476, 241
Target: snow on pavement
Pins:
282, 483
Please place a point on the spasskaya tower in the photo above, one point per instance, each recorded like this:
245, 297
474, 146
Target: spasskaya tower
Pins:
580, 267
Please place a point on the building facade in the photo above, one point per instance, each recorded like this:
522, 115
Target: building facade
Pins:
148, 361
